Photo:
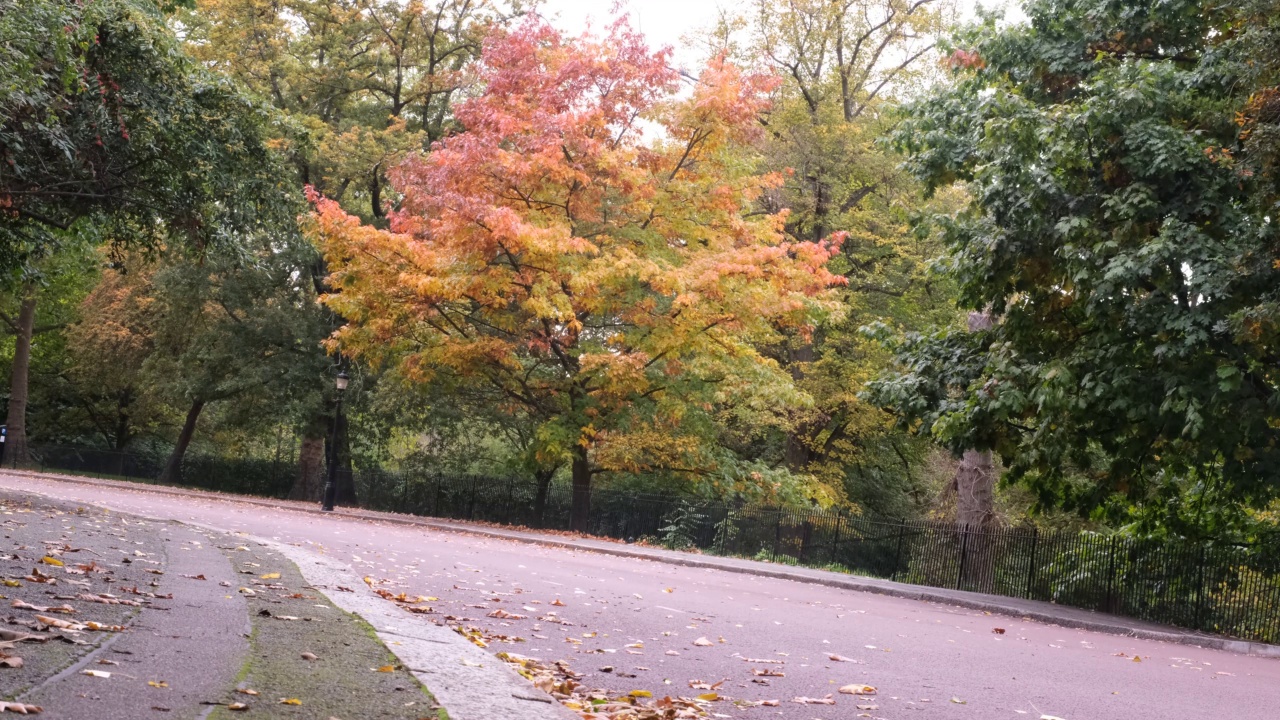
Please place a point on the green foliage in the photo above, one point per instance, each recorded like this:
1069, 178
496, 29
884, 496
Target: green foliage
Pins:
683, 524
108, 129
1120, 237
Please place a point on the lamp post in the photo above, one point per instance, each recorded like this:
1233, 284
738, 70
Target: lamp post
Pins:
331, 486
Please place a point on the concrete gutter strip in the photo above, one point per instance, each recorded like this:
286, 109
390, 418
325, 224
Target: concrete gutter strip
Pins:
1036, 610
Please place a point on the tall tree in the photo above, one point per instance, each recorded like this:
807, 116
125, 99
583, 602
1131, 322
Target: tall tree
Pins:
366, 82
843, 64
1121, 230
606, 284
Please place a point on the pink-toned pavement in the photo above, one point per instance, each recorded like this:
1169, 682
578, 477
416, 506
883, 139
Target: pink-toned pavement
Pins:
927, 659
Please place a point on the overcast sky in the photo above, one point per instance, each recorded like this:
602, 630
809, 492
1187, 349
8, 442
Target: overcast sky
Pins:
664, 22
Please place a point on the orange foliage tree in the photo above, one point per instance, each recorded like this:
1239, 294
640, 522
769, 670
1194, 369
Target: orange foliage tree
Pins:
587, 250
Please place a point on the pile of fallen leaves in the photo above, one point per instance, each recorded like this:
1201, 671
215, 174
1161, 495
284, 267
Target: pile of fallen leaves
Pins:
559, 681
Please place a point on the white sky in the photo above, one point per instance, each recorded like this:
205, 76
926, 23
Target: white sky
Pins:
664, 22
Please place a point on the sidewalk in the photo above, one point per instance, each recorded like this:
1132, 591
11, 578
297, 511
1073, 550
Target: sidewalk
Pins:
119, 617
1035, 610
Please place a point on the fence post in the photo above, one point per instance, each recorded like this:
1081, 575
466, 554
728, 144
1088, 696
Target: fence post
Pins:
506, 512
835, 537
471, 503
1031, 570
1111, 571
897, 553
777, 535
964, 551
1200, 588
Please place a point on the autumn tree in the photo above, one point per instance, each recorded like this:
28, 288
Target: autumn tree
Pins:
364, 82
586, 247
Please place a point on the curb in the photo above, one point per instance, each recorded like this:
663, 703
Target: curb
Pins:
1105, 624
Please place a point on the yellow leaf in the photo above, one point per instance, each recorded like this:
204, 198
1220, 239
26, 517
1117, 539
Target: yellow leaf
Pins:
290, 701
709, 697
270, 576
431, 599
386, 668
640, 694
51, 561
158, 683
12, 583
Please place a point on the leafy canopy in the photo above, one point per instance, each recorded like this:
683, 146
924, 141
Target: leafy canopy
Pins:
106, 127
1124, 239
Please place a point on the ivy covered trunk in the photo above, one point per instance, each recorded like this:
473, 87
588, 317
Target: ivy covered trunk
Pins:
309, 484
581, 472
16, 451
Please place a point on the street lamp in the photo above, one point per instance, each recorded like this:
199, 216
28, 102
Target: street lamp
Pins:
331, 486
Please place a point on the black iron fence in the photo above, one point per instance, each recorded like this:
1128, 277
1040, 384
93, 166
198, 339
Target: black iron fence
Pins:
1216, 587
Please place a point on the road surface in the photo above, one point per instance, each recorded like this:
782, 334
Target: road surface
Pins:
632, 624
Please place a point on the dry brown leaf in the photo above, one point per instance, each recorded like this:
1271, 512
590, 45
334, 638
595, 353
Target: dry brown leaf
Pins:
11, 661
857, 689
767, 672
237, 706
828, 700
309, 656
20, 708
840, 658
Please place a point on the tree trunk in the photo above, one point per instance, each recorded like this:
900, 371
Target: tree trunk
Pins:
309, 485
543, 478
581, 471
797, 454
16, 452
344, 479
172, 473
975, 500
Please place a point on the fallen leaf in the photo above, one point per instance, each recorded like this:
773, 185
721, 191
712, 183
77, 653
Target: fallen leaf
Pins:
237, 706
709, 697
767, 672
20, 708
840, 658
246, 691
557, 603
958, 701
857, 689
52, 561
828, 700
703, 642
270, 576
11, 661
290, 701
309, 656
158, 683
96, 673
386, 668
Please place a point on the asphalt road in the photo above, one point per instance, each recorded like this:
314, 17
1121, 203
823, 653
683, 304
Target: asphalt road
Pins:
926, 660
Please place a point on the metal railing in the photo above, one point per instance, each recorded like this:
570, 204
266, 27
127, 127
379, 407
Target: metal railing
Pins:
1221, 588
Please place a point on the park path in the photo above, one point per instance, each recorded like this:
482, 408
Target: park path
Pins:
927, 660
